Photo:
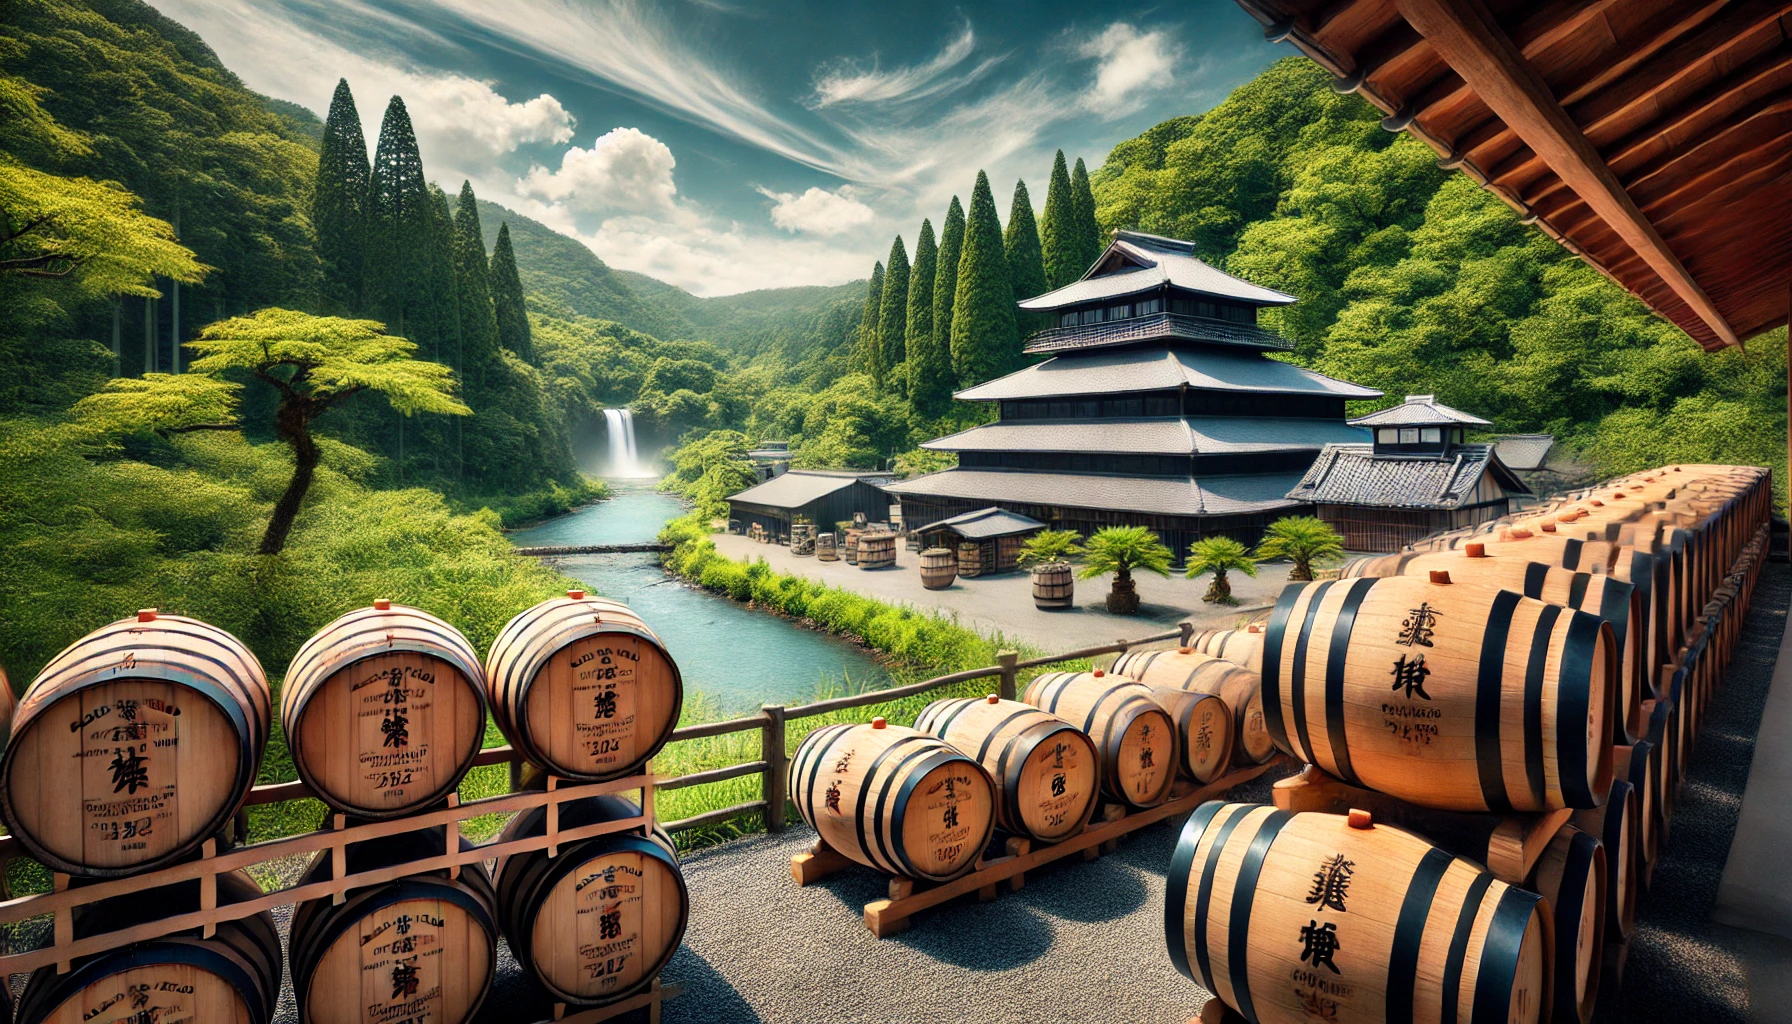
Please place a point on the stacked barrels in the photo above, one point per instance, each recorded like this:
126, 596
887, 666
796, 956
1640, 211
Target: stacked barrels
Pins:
1544, 676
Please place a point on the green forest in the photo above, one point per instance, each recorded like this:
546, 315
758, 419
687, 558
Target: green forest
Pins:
217, 310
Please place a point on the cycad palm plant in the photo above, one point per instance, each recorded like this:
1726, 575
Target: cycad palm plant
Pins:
1049, 546
1123, 550
1302, 540
1219, 555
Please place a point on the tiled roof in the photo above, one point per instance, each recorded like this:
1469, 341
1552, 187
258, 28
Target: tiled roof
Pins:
1525, 452
1351, 474
1134, 262
1175, 496
1155, 327
796, 488
1161, 369
988, 522
1188, 435
1419, 410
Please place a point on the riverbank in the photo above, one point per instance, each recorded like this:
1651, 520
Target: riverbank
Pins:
1002, 606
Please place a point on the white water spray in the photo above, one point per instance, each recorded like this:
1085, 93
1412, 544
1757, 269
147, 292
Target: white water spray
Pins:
624, 462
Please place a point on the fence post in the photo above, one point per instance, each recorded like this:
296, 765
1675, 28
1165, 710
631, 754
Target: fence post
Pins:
1188, 633
776, 764
515, 768
1006, 660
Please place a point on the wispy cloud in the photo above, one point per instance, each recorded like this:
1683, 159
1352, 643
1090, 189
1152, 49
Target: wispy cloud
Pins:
1132, 65
846, 83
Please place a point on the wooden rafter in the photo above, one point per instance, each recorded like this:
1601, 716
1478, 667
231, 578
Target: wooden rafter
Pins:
1769, 72
1656, 35
1717, 144
1464, 33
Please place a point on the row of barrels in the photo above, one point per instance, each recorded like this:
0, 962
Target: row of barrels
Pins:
143, 738
1516, 671
594, 924
925, 802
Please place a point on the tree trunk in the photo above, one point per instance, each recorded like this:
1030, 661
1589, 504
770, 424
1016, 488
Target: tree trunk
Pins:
293, 424
1303, 570
1123, 598
1220, 590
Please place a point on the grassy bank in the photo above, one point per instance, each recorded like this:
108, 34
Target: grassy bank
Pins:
915, 645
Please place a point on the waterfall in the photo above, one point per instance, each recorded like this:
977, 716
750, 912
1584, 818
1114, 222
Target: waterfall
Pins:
624, 461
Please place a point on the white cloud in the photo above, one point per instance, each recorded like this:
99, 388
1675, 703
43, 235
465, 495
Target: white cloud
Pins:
1133, 64
625, 169
706, 258
844, 83
462, 114
817, 211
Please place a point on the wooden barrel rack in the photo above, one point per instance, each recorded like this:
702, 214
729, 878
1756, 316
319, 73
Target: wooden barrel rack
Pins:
1008, 864
1692, 541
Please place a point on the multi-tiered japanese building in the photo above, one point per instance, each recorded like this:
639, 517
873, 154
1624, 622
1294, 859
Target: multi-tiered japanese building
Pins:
1159, 407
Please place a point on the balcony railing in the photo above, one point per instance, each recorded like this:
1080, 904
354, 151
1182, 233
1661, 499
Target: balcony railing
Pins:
1155, 326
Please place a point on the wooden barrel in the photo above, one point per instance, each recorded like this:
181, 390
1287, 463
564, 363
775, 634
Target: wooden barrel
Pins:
851, 548
1137, 739
970, 559
1242, 647
877, 551
1291, 918
1454, 695
1054, 586
231, 978
134, 744
1240, 688
1571, 875
939, 567
1204, 725
421, 947
1046, 771
597, 922
583, 688
1616, 825
1632, 764
384, 710
826, 548
1604, 595
894, 799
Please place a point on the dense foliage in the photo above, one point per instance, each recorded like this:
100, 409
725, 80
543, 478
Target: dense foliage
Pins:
1303, 540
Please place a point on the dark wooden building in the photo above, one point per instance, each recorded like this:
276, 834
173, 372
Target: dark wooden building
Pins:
997, 532
1158, 407
822, 497
1416, 477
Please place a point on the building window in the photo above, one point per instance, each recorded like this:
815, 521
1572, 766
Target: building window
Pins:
1147, 306
1409, 435
1066, 319
1120, 312
1432, 435
1093, 316
1387, 435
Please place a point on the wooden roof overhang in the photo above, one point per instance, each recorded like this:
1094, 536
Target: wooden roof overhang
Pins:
1653, 138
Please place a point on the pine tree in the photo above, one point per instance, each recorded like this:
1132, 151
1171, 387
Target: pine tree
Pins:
864, 352
1026, 265
892, 313
929, 364
473, 289
442, 288
400, 235
339, 203
1061, 249
1087, 234
507, 299
945, 288
983, 327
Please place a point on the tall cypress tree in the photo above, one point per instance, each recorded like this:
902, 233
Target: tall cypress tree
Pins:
1088, 235
441, 286
929, 364
1026, 265
945, 286
1060, 247
864, 352
983, 328
507, 299
892, 314
473, 290
339, 204
400, 235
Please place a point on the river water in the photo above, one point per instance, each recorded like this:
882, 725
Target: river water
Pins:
740, 658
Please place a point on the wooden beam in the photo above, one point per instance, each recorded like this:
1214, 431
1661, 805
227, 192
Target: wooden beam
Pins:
1768, 73
1744, 130
1671, 63
1464, 33
1653, 36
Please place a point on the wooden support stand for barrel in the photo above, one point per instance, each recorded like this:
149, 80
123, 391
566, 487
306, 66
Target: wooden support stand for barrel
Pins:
887, 917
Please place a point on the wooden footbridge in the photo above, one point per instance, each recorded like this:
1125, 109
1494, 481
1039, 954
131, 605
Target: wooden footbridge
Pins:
593, 549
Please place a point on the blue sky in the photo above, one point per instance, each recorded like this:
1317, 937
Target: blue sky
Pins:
727, 145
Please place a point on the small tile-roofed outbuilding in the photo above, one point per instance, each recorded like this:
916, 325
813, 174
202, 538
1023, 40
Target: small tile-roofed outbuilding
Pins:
1419, 411
822, 497
1525, 453
1382, 502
